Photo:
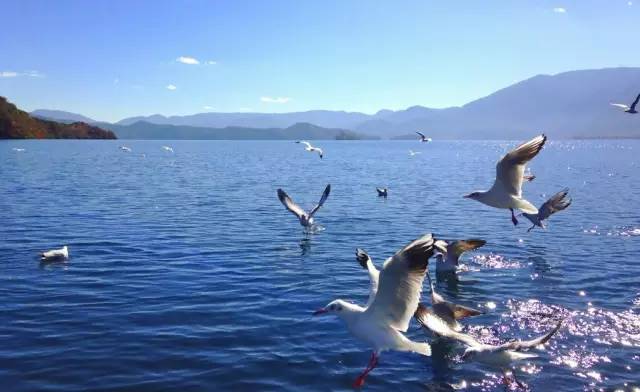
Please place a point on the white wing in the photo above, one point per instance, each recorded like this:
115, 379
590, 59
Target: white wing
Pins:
401, 284
305, 143
620, 105
374, 275
428, 320
289, 204
510, 169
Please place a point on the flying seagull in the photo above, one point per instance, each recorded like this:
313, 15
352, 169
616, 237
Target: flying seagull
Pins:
167, 148
446, 311
61, 254
390, 307
305, 218
501, 355
382, 192
414, 153
506, 191
423, 138
557, 202
448, 262
628, 109
310, 148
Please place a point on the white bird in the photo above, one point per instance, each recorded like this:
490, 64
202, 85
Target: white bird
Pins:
167, 148
61, 254
392, 302
628, 109
305, 218
506, 191
423, 138
448, 262
16, 149
383, 192
501, 355
414, 153
557, 202
310, 148
446, 311
125, 148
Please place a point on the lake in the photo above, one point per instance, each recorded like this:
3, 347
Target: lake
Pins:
186, 272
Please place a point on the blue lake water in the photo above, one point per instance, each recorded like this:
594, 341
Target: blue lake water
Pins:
187, 273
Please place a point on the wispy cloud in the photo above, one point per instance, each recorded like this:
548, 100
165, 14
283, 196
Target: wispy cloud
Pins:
188, 60
560, 10
275, 99
211, 62
171, 87
629, 3
207, 107
13, 74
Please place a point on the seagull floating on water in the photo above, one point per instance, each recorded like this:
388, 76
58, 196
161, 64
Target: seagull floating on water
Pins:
382, 192
557, 202
125, 148
61, 254
167, 148
305, 218
628, 109
392, 302
310, 148
414, 153
448, 262
423, 138
506, 191
17, 149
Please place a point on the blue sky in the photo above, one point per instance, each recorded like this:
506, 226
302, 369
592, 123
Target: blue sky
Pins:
113, 59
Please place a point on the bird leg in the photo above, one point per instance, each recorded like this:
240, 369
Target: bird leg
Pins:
531, 228
373, 362
513, 217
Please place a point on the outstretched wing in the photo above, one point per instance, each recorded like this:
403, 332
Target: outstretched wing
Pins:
289, 204
305, 143
510, 169
430, 321
557, 202
401, 284
521, 345
460, 312
621, 105
374, 275
633, 105
325, 194
421, 134
456, 248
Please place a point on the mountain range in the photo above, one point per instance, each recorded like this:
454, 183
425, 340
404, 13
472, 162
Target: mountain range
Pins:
567, 105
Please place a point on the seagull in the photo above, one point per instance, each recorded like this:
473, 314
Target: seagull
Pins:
382, 192
306, 219
628, 109
309, 147
501, 355
61, 254
423, 138
448, 312
167, 148
506, 191
413, 153
449, 261
557, 202
392, 302
16, 149
125, 148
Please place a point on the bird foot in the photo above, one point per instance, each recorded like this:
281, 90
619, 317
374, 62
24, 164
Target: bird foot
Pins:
359, 382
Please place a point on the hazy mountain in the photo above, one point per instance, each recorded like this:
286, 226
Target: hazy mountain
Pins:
61, 116
146, 130
18, 124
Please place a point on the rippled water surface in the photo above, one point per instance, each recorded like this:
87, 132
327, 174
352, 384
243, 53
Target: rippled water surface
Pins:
186, 272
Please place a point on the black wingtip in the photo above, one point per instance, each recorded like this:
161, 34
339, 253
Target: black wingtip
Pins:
362, 257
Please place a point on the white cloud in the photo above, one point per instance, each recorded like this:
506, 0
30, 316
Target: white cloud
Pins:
211, 62
171, 87
629, 3
12, 74
275, 99
560, 10
187, 60
207, 107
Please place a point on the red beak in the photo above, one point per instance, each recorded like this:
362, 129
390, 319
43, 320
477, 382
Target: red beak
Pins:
320, 311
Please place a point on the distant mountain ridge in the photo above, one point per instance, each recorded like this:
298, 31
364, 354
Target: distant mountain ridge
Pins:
146, 130
566, 105
18, 124
61, 116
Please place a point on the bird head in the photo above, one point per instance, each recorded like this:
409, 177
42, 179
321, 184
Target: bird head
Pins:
337, 307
